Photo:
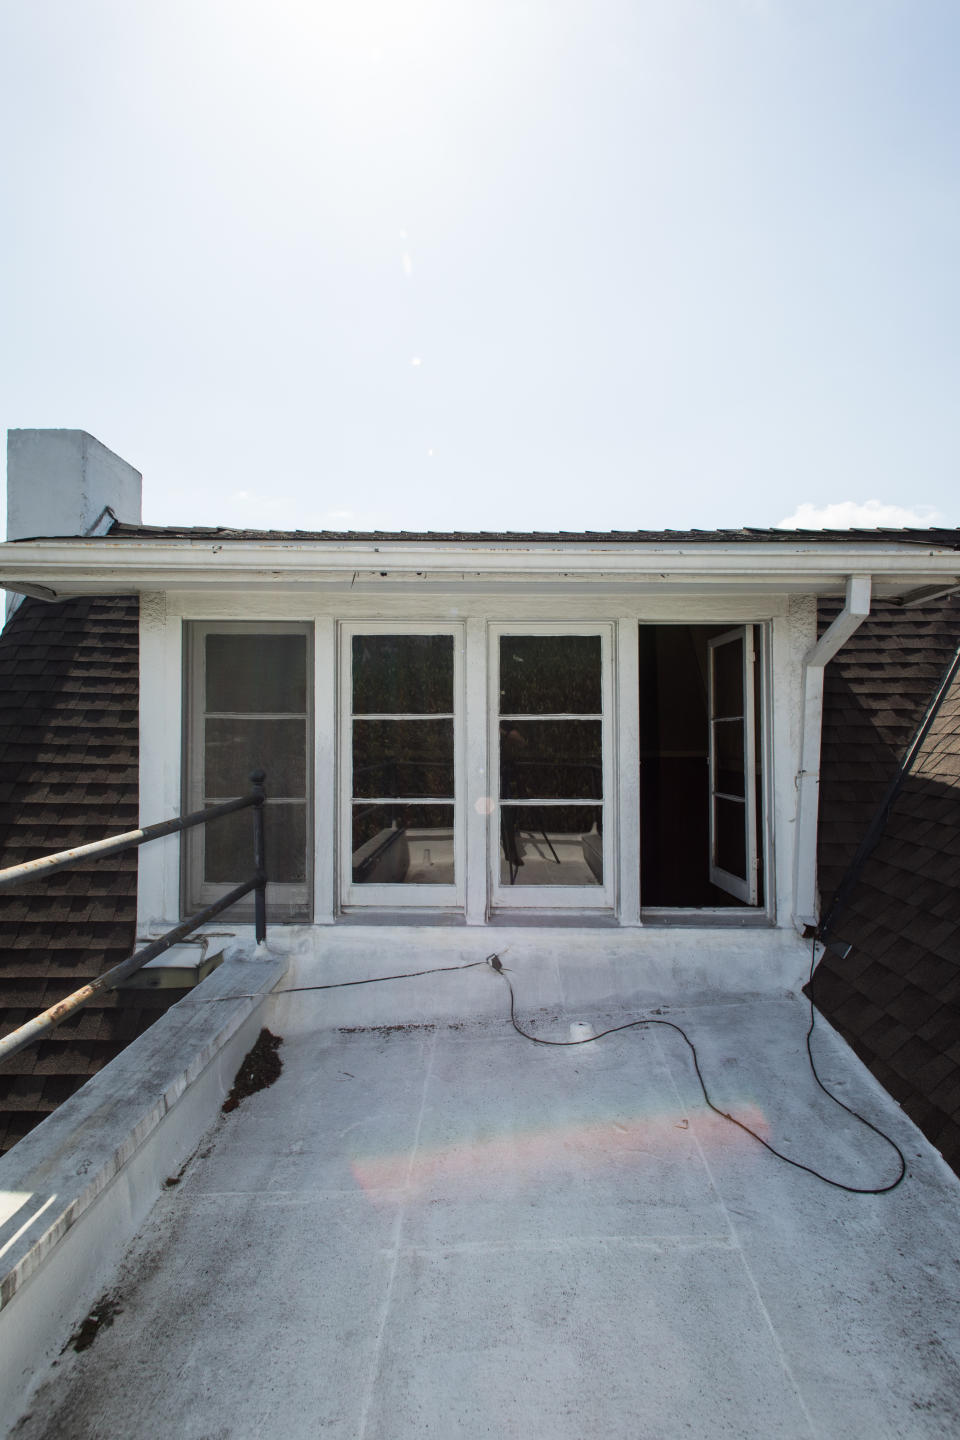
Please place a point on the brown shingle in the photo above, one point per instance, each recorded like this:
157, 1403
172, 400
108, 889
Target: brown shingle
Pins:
68, 774
902, 917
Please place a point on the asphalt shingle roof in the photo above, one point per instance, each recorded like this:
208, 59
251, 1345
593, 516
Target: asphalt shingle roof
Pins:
895, 993
69, 719
933, 536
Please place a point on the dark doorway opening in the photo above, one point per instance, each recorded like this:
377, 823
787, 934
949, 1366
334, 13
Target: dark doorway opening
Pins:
683, 816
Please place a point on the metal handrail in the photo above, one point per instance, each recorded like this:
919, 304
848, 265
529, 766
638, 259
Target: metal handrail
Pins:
33, 1029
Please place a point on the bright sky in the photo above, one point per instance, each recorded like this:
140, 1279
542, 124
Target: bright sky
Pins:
577, 264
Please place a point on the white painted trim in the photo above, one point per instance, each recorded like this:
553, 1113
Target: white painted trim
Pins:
325, 670
855, 611
478, 786
428, 605
768, 802
626, 669
161, 722
791, 636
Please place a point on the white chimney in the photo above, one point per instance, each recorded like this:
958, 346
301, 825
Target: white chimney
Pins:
59, 482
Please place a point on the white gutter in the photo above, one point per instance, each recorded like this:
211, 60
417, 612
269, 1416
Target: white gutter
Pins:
855, 610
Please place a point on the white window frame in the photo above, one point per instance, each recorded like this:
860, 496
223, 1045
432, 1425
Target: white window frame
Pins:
355, 897
555, 897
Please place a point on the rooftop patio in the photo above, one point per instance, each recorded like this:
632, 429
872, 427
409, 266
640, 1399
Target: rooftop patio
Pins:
444, 1230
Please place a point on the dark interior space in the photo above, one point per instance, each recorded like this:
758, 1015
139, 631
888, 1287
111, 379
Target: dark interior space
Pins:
674, 768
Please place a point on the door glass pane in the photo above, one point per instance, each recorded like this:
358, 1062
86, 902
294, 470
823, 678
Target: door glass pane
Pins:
402, 845
228, 845
550, 675
403, 758
730, 841
551, 759
551, 845
237, 745
402, 674
257, 674
728, 679
730, 776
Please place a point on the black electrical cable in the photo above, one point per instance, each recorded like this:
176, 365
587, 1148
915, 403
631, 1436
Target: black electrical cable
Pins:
855, 1113
495, 962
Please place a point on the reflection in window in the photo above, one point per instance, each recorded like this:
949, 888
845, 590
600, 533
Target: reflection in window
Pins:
403, 845
551, 845
550, 675
551, 760
402, 674
403, 757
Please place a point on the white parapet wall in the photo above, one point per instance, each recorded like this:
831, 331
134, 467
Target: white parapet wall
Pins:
566, 969
74, 1191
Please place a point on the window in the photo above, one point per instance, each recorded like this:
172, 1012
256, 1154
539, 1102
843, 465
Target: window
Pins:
249, 689
551, 737
400, 758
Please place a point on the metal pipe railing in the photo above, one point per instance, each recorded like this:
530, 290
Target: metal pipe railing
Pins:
32, 869
116, 844
33, 1029
258, 797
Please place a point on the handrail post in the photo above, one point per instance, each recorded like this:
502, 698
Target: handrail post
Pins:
257, 778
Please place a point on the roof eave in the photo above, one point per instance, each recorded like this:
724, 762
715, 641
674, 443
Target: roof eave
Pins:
69, 566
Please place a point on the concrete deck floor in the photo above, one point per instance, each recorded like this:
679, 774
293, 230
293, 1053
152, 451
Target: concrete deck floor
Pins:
450, 1232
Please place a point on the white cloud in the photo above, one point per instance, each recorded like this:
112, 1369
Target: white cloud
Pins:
858, 515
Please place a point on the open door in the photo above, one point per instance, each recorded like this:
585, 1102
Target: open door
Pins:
733, 775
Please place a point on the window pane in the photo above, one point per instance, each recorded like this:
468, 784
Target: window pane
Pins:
228, 845
728, 678
403, 757
257, 673
729, 771
402, 674
552, 845
550, 675
551, 759
403, 845
234, 747
730, 838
